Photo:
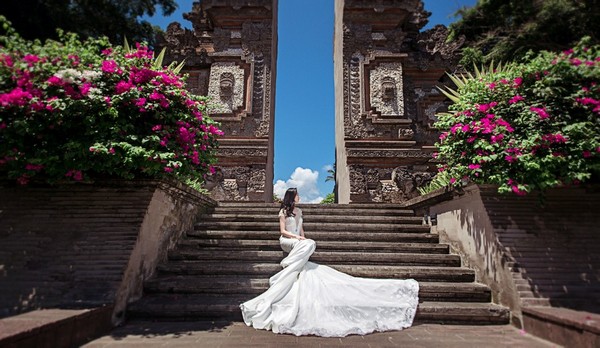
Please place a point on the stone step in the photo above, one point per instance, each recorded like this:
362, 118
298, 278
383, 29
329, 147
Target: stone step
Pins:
303, 206
389, 237
314, 226
273, 211
312, 218
218, 269
429, 291
561, 288
339, 257
198, 307
257, 244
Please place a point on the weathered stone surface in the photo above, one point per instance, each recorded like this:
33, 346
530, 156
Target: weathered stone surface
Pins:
219, 266
530, 253
82, 245
60, 328
563, 326
386, 74
230, 56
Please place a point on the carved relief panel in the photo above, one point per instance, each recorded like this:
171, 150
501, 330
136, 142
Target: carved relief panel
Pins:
386, 98
227, 88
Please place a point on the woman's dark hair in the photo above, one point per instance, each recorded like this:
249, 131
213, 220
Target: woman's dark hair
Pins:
289, 202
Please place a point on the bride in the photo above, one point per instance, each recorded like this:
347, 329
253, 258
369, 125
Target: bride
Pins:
310, 299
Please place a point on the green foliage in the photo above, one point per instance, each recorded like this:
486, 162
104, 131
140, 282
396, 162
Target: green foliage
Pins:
115, 19
82, 110
505, 30
526, 126
329, 199
441, 179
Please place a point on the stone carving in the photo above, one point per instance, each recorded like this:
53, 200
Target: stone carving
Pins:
390, 71
226, 87
241, 152
256, 37
408, 181
358, 181
405, 133
388, 153
431, 110
228, 58
236, 183
178, 40
387, 96
434, 41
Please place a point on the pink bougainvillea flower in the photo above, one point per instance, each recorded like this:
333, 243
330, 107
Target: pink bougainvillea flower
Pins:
111, 150
542, 113
85, 88
452, 180
576, 61
123, 86
510, 159
504, 81
474, 166
168, 169
518, 81
110, 66
157, 128
31, 59
443, 135
471, 139
491, 86
486, 107
34, 167
23, 180
496, 138
140, 102
76, 175
587, 154
517, 98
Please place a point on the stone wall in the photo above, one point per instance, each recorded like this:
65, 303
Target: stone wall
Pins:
386, 74
531, 252
231, 56
81, 246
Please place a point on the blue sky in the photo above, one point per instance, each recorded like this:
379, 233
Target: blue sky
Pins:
304, 104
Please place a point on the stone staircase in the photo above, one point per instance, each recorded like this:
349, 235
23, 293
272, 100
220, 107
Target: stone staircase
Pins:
231, 253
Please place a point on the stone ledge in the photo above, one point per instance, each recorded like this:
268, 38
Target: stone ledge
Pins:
432, 198
55, 327
581, 320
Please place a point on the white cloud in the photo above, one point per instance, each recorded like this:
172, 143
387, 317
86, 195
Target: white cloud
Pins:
305, 180
327, 167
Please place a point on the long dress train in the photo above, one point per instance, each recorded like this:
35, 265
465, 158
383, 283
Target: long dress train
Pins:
306, 298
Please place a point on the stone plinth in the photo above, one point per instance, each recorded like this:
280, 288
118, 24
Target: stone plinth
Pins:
386, 74
530, 251
85, 246
231, 56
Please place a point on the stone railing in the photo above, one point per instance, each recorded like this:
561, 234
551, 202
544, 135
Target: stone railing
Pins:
84, 246
531, 250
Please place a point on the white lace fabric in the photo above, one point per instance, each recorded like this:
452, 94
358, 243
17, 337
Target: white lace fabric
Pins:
306, 298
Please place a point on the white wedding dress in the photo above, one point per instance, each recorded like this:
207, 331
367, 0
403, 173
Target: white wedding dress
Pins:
306, 298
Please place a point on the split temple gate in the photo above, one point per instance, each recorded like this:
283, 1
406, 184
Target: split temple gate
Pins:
386, 73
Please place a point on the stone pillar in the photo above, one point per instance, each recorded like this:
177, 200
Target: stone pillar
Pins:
231, 56
386, 73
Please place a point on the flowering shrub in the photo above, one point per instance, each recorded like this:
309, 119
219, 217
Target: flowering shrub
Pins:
526, 126
73, 110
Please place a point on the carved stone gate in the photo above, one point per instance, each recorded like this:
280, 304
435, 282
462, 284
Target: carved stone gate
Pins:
231, 56
386, 73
